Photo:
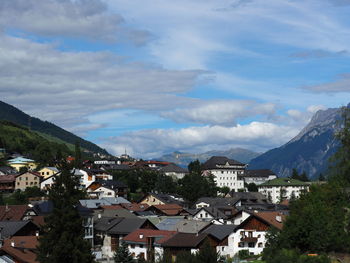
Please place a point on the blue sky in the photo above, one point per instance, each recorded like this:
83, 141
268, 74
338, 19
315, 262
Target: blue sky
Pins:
158, 76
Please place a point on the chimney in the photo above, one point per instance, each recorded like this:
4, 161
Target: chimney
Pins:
141, 236
12, 243
37, 233
279, 219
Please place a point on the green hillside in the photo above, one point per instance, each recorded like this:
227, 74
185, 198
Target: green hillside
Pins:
12, 114
15, 138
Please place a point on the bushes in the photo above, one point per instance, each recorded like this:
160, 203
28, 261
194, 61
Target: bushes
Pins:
293, 256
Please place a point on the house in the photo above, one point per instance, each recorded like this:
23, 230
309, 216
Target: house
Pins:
173, 170
147, 243
211, 214
166, 209
160, 199
109, 231
4, 170
187, 242
85, 177
98, 203
27, 179
48, 172
107, 188
47, 183
19, 249
7, 183
18, 228
226, 172
19, 162
279, 189
259, 176
16, 212
251, 233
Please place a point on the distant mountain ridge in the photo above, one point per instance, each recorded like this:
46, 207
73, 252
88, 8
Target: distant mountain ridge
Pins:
12, 114
183, 159
309, 151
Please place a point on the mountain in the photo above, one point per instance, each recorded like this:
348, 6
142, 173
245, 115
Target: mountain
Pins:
309, 151
46, 129
183, 159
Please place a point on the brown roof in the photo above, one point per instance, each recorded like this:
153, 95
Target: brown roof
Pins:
7, 178
272, 218
134, 207
141, 236
112, 207
23, 250
168, 209
38, 220
185, 240
12, 212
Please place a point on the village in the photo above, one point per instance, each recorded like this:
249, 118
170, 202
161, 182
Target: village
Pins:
235, 222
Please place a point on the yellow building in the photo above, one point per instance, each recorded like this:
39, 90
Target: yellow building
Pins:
46, 172
27, 179
19, 162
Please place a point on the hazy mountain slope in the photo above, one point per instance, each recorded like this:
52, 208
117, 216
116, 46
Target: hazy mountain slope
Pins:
183, 159
309, 151
11, 113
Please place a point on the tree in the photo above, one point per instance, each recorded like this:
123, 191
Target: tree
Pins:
63, 233
207, 254
122, 254
224, 190
195, 167
77, 155
252, 187
321, 178
295, 175
304, 177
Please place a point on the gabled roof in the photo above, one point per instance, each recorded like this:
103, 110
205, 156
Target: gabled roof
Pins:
272, 218
134, 207
96, 203
172, 168
220, 232
167, 209
259, 173
8, 178
119, 225
191, 226
169, 223
11, 228
7, 170
165, 198
141, 236
284, 182
217, 162
13, 212
29, 172
51, 168
185, 240
213, 211
115, 213
23, 250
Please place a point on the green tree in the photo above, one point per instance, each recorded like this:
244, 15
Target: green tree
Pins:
63, 234
295, 175
224, 190
252, 187
77, 155
304, 177
207, 254
195, 167
122, 254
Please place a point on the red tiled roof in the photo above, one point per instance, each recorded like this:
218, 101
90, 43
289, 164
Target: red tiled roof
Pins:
38, 220
23, 250
8, 178
141, 235
271, 218
168, 209
12, 212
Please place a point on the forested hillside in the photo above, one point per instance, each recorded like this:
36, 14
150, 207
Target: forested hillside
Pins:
15, 138
12, 114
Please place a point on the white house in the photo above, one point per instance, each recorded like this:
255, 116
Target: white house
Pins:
85, 178
103, 191
258, 176
226, 172
174, 171
47, 183
283, 188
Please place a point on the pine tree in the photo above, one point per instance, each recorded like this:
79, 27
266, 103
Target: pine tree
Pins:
77, 160
207, 254
63, 237
122, 255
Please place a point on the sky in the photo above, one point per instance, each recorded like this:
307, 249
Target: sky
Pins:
157, 76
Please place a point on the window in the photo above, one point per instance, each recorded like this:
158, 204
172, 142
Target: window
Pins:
31, 183
47, 173
132, 245
223, 248
141, 246
241, 244
18, 183
251, 244
260, 244
26, 183
26, 178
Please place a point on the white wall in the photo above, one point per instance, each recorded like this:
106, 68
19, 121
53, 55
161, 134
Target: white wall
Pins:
228, 177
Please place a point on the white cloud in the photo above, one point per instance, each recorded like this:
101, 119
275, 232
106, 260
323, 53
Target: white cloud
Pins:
220, 112
65, 87
258, 136
342, 84
72, 18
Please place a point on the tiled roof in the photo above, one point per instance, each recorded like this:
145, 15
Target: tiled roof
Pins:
258, 173
167, 209
11, 228
119, 225
169, 223
284, 182
172, 168
134, 207
216, 161
12, 212
191, 226
141, 235
220, 232
273, 218
23, 250
185, 240
9, 178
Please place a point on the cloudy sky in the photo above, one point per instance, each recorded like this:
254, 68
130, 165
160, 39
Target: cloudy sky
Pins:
156, 76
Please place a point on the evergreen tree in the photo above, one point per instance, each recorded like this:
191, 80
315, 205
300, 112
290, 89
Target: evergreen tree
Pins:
295, 174
122, 255
63, 237
252, 187
77, 160
304, 177
321, 178
195, 167
207, 254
